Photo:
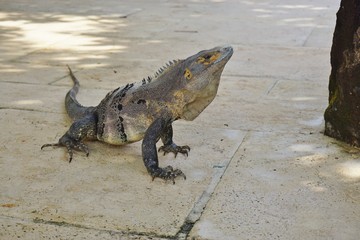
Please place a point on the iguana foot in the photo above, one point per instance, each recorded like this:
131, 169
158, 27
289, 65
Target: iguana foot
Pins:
168, 173
175, 149
70, 145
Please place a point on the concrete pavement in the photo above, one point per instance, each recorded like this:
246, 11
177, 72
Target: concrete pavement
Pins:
259, 166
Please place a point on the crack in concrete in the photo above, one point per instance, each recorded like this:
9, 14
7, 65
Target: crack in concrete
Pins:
111, 232
272, 87
194, 215
200, 205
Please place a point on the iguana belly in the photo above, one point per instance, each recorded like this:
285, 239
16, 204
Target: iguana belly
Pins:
123, 130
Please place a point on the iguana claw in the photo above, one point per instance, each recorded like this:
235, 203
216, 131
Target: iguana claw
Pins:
175, 149
168, 173
70, 144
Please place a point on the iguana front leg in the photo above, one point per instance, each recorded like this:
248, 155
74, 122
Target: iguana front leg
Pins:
149, 153
72, 139
169, 145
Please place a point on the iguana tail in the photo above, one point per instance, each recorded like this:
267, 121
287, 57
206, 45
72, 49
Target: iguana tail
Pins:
73, 108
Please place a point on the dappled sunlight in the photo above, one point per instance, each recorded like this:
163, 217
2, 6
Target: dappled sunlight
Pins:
313, 186
312, 122
334, 168
156, 41
59, 35
302, 147
301, 99
301, 22
304, 22
350, 169
71, 57
297, 19
313, 159
330, 163
299, 6
286, 14
67, 30
29, 102
7, 68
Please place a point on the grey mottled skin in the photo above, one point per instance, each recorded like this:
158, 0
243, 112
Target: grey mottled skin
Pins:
146, 110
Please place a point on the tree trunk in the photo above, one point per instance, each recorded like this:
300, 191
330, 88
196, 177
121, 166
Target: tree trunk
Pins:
342, 116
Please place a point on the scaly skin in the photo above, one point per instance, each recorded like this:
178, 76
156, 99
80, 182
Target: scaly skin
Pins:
180, 90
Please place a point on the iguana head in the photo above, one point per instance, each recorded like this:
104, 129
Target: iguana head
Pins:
200, 79
184, 88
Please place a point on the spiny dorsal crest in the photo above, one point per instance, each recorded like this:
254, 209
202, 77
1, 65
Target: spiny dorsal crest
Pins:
167, 66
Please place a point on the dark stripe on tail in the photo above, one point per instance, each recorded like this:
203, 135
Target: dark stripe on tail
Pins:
74, 109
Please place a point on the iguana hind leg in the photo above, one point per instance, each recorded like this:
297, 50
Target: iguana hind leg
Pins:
72, 139
150, 157
169, 145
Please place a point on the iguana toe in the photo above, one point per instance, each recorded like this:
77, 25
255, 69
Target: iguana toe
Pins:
175, 149
50, 145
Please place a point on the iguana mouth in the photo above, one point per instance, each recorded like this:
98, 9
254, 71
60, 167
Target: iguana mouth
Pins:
216, 56
228, 52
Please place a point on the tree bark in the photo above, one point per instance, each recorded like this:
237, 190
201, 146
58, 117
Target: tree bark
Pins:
342, 116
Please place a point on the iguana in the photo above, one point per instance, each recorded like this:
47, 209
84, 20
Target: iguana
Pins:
146, 110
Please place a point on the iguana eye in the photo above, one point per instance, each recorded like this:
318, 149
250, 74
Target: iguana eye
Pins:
200, 60
187, 74
214, 57
208, 58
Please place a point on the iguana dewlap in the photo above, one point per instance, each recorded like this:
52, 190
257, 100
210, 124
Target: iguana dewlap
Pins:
180, 90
